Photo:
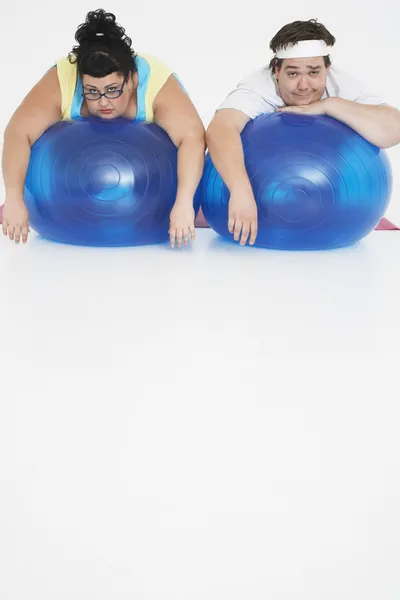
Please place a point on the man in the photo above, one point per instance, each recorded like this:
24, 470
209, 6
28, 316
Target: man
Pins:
299, 79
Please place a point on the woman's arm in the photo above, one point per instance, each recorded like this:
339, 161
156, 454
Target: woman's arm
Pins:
176, 114
40, 109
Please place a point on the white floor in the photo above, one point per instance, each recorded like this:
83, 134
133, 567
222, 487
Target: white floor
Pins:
217, 423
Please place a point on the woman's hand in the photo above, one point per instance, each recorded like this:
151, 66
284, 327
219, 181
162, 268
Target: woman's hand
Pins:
181, 226
16, 220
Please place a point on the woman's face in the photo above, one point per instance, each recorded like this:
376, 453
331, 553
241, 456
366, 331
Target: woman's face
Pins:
113, 106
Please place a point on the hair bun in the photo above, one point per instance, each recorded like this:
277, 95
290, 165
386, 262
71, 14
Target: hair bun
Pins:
102, 27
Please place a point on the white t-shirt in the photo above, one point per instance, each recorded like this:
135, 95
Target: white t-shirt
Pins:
258, 93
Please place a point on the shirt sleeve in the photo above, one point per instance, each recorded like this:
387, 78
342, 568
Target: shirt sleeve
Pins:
369, 99
352, 89
67, 76
248, 101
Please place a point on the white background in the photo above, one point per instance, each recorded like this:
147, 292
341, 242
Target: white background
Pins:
212, 424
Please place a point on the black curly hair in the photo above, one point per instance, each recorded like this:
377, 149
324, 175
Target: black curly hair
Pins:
299, 31
103, 48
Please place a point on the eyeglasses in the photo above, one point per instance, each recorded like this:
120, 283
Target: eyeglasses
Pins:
111, 95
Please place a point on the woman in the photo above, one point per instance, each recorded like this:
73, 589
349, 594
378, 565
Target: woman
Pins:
104, 77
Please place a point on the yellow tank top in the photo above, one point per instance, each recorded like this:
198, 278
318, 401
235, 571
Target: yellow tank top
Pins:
152, 74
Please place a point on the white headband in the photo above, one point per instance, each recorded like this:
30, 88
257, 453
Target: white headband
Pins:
304, 49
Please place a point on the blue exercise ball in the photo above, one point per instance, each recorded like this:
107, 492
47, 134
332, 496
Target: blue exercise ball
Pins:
94, 182
317, 183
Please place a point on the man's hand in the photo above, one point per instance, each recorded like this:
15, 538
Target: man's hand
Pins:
315, 108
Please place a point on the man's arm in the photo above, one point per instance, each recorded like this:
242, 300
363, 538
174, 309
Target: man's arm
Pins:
380, 124
226, 150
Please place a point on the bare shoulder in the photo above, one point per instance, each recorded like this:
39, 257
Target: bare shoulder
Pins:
40, 108
175, 112
171, 92
46, 92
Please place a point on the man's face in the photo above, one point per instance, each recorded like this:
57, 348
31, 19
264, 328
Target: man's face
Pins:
302, 81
